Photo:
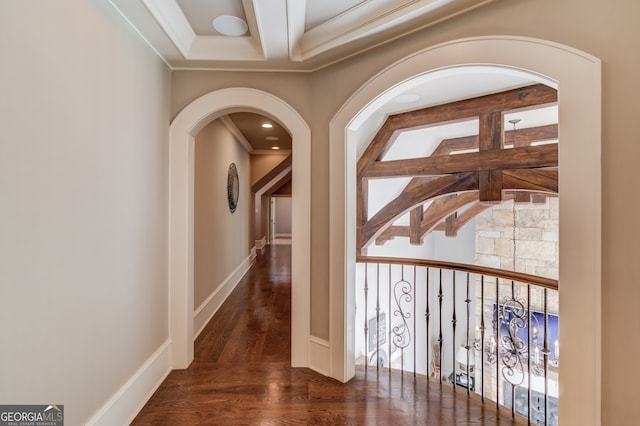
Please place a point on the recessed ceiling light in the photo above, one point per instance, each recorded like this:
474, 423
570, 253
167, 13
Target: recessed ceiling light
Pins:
230, 25
275, 147
267, 125
407, 98
272, 138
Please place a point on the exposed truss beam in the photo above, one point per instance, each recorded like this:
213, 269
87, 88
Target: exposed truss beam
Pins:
444, 185
533, 95
515, 158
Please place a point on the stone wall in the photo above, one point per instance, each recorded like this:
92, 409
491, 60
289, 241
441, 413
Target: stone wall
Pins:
536, 237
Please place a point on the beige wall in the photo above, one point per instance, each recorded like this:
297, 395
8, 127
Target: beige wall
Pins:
263, 164
84, 108
260, 166
607, 30
221, 238
83, 180
283, 216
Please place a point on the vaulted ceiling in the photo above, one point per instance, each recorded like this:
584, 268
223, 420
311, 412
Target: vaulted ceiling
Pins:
280, 34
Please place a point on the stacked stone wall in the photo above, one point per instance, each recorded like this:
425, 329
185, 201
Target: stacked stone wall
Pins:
536, 237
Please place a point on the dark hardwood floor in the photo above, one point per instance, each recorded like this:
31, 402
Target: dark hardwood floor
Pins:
241, 374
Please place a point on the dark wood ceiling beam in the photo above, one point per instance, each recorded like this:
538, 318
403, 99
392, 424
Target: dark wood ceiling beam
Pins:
538, 198
445, 185
447, 146
537, 94
450, 229
362, 201
534, 95
490, 141
514, 158
381, 141
391, 232
415, 221
442, 207
531, 180
466, 216
523, 137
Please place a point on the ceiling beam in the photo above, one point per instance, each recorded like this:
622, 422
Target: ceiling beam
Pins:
531, 180
444, 207
523, 137
534, 95
515, 158
444, 185
272, 20
464, 217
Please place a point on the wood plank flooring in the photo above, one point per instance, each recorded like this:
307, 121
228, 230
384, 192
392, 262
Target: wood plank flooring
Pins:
241, 374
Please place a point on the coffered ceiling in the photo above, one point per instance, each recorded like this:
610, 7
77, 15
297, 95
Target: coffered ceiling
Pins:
281, 34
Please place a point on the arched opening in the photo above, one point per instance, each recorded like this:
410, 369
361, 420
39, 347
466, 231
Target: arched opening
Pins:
577, 77
182, 133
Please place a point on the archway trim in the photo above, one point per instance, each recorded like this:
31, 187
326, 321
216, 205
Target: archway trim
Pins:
577, 76
182, 133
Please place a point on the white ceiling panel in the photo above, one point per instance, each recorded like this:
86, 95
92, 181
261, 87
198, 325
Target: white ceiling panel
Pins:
200, 13
283, 34
320, 11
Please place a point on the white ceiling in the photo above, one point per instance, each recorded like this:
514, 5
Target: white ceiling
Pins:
283, 34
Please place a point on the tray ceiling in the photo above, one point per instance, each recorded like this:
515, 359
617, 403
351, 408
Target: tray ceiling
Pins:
282, 34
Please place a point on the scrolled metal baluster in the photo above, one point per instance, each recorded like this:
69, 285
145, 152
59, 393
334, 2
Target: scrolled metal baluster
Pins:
402, 333
513, 314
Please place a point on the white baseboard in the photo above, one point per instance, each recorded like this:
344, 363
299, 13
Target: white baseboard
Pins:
209, 307
282, 236
253, 253
261, 243
127, 402
319, 355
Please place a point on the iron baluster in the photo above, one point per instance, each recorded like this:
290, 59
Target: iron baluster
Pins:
529, 353
440, 326
415, 340
467, 347
378, 317
453, 326
366, 324
427, 314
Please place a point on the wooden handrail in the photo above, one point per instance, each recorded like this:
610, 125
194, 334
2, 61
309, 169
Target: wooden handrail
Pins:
481, 270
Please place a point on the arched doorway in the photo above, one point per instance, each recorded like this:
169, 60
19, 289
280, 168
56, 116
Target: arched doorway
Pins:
181, 153
578, 79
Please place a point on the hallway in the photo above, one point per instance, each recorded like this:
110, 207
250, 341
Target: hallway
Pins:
241, 373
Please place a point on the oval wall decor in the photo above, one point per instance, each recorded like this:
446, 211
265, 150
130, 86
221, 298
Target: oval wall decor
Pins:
233, 187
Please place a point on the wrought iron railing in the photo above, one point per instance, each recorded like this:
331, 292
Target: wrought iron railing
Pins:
489, 331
